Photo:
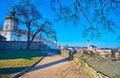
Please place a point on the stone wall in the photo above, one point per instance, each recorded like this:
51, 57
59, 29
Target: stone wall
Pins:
20, 45
96, 66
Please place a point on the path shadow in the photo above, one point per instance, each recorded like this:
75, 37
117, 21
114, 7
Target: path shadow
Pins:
50, 53
48, 64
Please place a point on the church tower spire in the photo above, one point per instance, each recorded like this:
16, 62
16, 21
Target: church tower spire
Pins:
13, 12
88, 44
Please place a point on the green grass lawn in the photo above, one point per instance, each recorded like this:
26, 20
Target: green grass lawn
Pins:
12, 62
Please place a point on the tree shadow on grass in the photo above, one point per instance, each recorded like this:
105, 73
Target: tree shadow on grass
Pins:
48, 64
11, 70
5, 55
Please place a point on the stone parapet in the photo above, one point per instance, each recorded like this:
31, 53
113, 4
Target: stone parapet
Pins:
97, 67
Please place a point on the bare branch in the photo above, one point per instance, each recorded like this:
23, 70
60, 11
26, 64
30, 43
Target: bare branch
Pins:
84, 13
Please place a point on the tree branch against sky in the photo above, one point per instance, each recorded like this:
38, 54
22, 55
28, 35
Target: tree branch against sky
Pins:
95, 18
97, 13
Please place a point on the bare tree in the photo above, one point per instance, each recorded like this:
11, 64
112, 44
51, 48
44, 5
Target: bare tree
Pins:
30, 17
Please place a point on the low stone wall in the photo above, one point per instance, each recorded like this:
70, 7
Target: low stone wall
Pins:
96, 66
20, 45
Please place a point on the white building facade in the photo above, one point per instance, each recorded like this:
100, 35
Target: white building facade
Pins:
10, 26
11, 33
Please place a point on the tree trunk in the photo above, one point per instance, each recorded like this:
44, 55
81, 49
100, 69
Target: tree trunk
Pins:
29, 41
28, 36
28, 45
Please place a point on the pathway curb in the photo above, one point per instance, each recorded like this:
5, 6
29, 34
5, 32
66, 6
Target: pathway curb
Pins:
25, 70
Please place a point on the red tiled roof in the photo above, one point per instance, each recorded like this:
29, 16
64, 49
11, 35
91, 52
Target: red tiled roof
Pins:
37, 37
4, 30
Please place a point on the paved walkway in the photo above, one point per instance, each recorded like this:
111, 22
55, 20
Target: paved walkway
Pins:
55, 66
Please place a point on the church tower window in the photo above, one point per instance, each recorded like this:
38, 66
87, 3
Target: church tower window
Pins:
6, 26
5, 34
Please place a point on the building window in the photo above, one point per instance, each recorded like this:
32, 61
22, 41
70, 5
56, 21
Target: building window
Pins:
6, 26
5, 34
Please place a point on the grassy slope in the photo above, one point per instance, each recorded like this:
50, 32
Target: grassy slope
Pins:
13, 62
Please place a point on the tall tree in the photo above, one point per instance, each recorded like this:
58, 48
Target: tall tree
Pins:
30, 17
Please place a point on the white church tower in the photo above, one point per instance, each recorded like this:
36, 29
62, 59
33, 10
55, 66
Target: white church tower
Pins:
88, 45
10, 26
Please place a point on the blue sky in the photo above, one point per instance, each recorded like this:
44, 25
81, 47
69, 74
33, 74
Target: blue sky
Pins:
68, 34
